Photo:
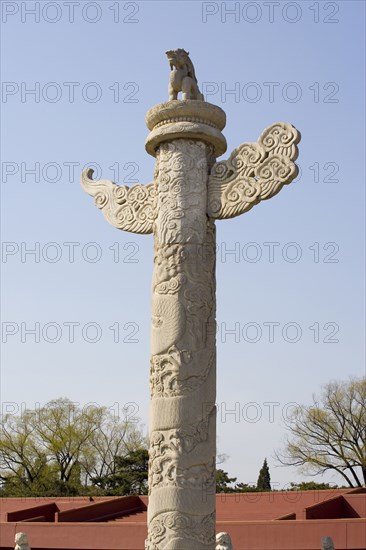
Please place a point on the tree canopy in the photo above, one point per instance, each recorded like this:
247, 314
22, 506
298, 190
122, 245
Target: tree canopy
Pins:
63, 449
330, 434
129, 476
223, 482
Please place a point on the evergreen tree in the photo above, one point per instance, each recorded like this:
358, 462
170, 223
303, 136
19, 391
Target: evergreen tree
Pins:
264, 479
223, 482
130, 477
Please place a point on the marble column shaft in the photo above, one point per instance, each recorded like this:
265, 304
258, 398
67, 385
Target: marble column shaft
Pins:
183, 354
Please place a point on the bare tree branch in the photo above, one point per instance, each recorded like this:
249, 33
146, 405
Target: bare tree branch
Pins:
330, 434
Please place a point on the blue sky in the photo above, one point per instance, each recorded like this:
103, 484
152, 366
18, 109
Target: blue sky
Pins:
298, 260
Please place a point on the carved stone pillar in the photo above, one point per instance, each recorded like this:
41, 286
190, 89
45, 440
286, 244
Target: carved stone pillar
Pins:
183, 348
190, 191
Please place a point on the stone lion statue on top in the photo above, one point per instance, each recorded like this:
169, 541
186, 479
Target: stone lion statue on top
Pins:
182, 76
21, 542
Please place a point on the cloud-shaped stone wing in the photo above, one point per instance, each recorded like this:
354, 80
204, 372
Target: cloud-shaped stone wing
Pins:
253, 172
130, 209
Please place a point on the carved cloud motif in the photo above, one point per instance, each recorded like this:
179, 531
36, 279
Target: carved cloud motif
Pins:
253, 172
130, 209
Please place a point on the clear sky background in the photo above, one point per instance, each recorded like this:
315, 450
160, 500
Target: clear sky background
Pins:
96, 68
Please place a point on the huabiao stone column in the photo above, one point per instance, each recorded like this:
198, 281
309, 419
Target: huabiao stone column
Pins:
189, 192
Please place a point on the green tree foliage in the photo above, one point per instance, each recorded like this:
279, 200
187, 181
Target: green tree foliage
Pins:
245, 488
223, 482
311, 486
130, 475
264, 478
61, 448
330, 434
